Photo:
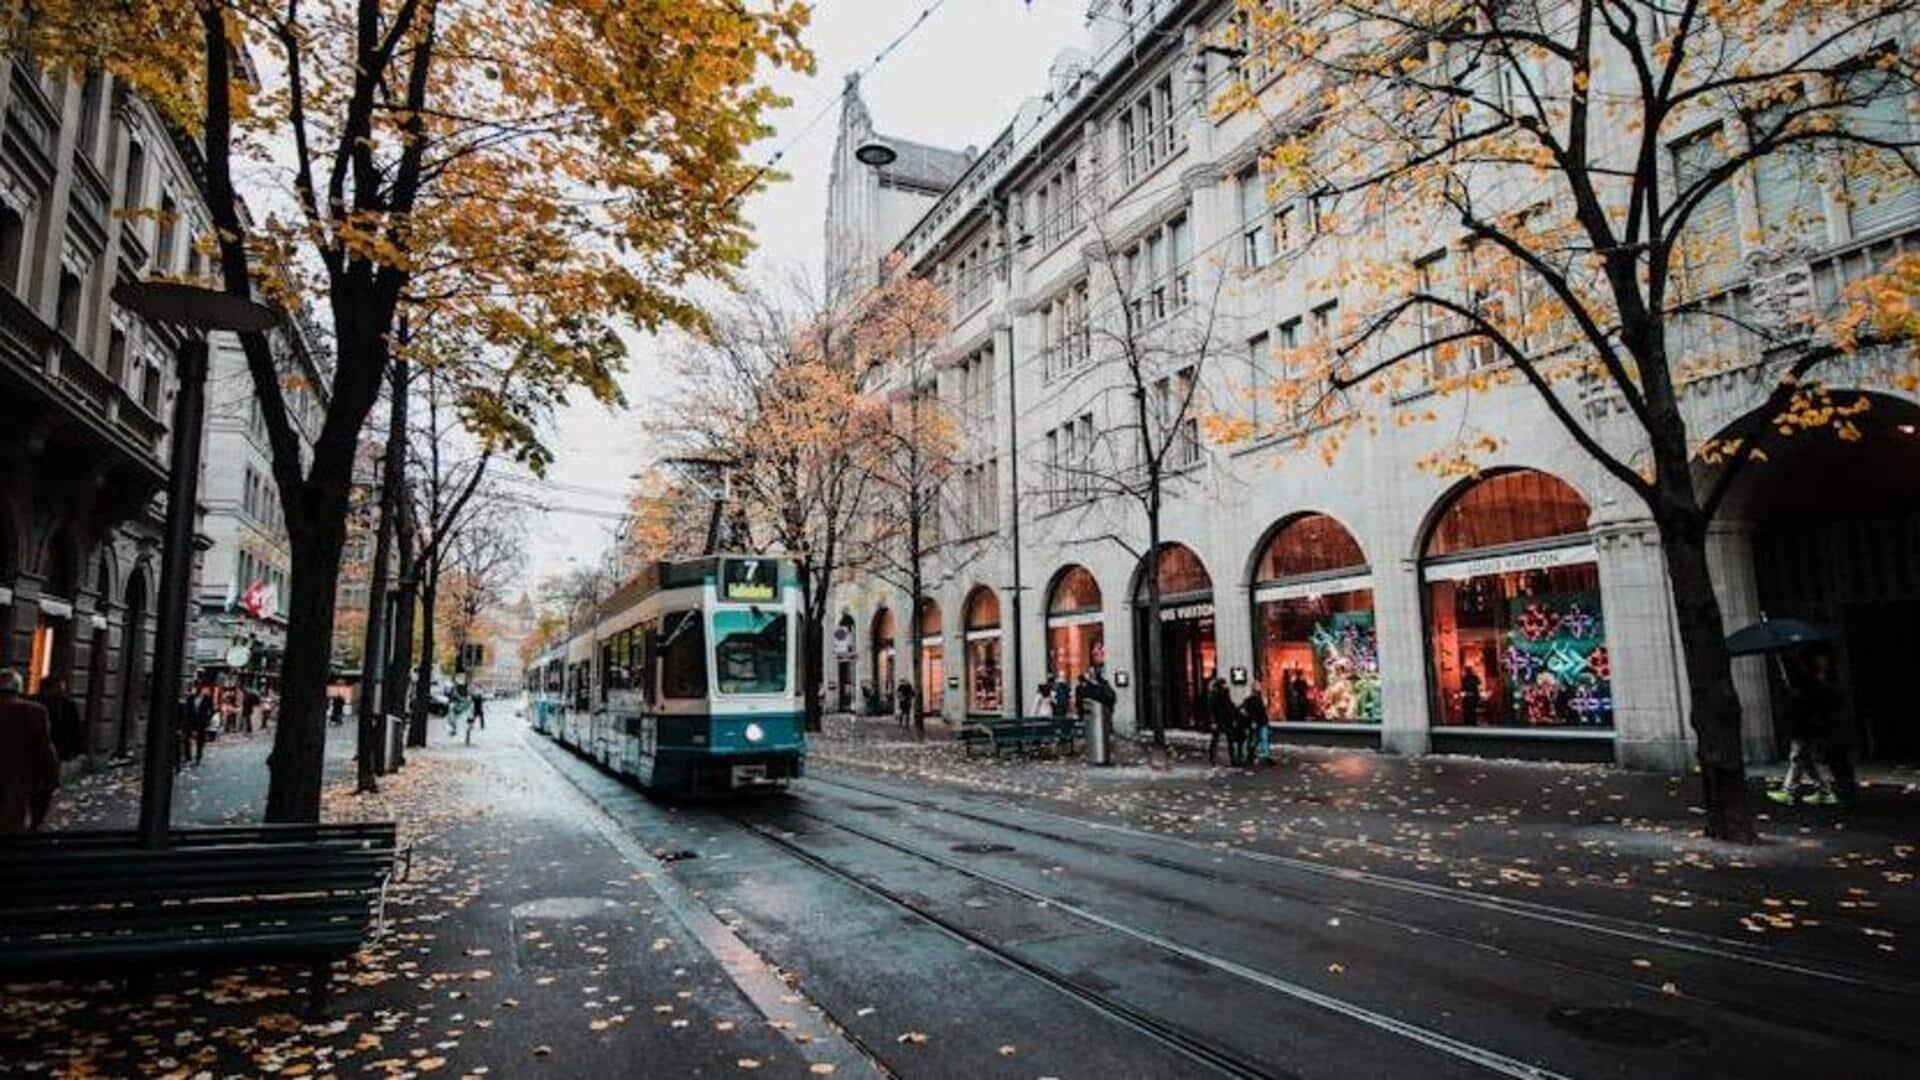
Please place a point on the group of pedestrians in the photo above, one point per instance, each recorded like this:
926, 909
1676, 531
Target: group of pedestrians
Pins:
1244, 725
209, 711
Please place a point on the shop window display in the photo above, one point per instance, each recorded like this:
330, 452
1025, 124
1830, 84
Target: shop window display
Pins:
1076, 636
984, 671
1313, 625
1517, 634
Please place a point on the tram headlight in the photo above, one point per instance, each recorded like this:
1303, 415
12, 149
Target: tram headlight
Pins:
755, 733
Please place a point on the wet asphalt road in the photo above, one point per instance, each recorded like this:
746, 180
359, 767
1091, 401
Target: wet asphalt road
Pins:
952, 934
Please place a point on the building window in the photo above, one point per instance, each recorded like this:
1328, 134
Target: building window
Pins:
1879, 187
1076, 634
1786, 186
986, 678
1515, 632
1066, 341
92, 89
1710, 242
1179, 428
1149, 130
1070, 462
163, 255
67, 304
133, 184
13, 238
1157, 273
150, 388
1057, 205
117, 356
1314, 644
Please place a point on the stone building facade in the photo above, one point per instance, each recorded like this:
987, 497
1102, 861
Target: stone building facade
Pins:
241, 614
1523, 611
86, 389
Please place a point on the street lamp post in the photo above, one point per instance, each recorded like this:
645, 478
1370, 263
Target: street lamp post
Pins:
189, 308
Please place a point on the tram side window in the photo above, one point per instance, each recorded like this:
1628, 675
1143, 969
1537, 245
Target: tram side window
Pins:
683, 656
636, 662
608, 674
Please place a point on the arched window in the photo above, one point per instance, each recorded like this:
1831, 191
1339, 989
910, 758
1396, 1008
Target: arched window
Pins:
1515, 631
985, 674
1314, 643
1076, 635
1180, 571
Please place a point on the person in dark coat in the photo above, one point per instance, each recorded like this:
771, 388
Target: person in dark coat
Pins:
1222, 717
336, 710
1253, 711
63, 718
29, 767
1293, 691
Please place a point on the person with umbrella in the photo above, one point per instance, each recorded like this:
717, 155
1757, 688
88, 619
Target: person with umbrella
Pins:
1805, 668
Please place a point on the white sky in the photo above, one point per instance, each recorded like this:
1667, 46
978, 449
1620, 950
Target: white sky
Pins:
956, 81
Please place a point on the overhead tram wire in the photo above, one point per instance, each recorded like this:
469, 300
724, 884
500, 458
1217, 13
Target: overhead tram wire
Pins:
760, 172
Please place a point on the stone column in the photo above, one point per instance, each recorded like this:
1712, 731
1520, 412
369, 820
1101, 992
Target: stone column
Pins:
1730, 559
1649, 686
1400, 629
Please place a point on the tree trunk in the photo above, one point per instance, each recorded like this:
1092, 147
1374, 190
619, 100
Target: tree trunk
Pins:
300, 738
400, 663
813, 629
369, 728
1152, 672
1713, 704
423, 683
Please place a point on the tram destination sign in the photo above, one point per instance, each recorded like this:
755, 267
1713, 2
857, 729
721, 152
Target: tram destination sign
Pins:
749, 580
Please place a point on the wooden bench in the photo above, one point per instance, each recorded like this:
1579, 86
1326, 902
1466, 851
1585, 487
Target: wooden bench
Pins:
97, 903
1021, 734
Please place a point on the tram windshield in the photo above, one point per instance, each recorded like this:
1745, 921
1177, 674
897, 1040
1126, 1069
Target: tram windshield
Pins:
750, 651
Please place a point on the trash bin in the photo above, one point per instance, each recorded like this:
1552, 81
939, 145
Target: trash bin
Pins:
1097, 737
396, 739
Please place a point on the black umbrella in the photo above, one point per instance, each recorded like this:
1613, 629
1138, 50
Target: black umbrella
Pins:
1775, 635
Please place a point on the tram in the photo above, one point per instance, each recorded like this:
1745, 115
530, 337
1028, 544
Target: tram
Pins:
687, 681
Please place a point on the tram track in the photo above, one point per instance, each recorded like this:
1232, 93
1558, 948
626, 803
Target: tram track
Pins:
1650, 935
1477, 864
1201, 1049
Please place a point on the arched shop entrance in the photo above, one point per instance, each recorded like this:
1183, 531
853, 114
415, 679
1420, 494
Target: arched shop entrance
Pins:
1076, 636
1836, 541
1314, 645
1187, 653
986, 678
884, 672
1515, 634
933, 661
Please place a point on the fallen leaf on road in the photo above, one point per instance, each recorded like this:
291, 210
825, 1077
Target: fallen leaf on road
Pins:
1006, 1050
914, 1037
723, 1025
748, 1063
822, 1068
542, 1051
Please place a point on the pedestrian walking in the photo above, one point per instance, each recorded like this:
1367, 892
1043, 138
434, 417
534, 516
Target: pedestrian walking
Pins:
29, 765
479, 711
336, 710
903, 704
1220, 715
1253, 708
1470, 697
1042, 699
249, 705
63, 718
1812, 699
206, 722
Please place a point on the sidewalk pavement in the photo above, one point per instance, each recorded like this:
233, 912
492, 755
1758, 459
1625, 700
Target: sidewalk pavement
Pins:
1594, 837
524, 943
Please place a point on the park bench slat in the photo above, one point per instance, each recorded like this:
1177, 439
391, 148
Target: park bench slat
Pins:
229, 894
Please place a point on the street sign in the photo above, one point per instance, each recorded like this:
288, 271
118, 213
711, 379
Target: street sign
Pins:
843, 640
239, 656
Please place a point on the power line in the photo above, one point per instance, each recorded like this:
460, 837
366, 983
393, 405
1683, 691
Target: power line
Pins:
767, 166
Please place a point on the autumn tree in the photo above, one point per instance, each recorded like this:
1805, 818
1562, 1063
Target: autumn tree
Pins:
1580, 160
1132, 368
532, 171
774, 388
484, 561
898, 331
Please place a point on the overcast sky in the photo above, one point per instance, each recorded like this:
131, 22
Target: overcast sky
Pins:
956, 81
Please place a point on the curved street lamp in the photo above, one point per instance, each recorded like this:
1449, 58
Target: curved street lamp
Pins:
188, 307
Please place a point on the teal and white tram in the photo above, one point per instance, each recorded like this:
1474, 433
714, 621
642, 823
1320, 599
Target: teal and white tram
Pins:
689, 680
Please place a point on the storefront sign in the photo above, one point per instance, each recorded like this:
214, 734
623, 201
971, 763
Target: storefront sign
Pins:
1186, 611
748, 580
1511, 564
983, 635
1080, 619
1308, 589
